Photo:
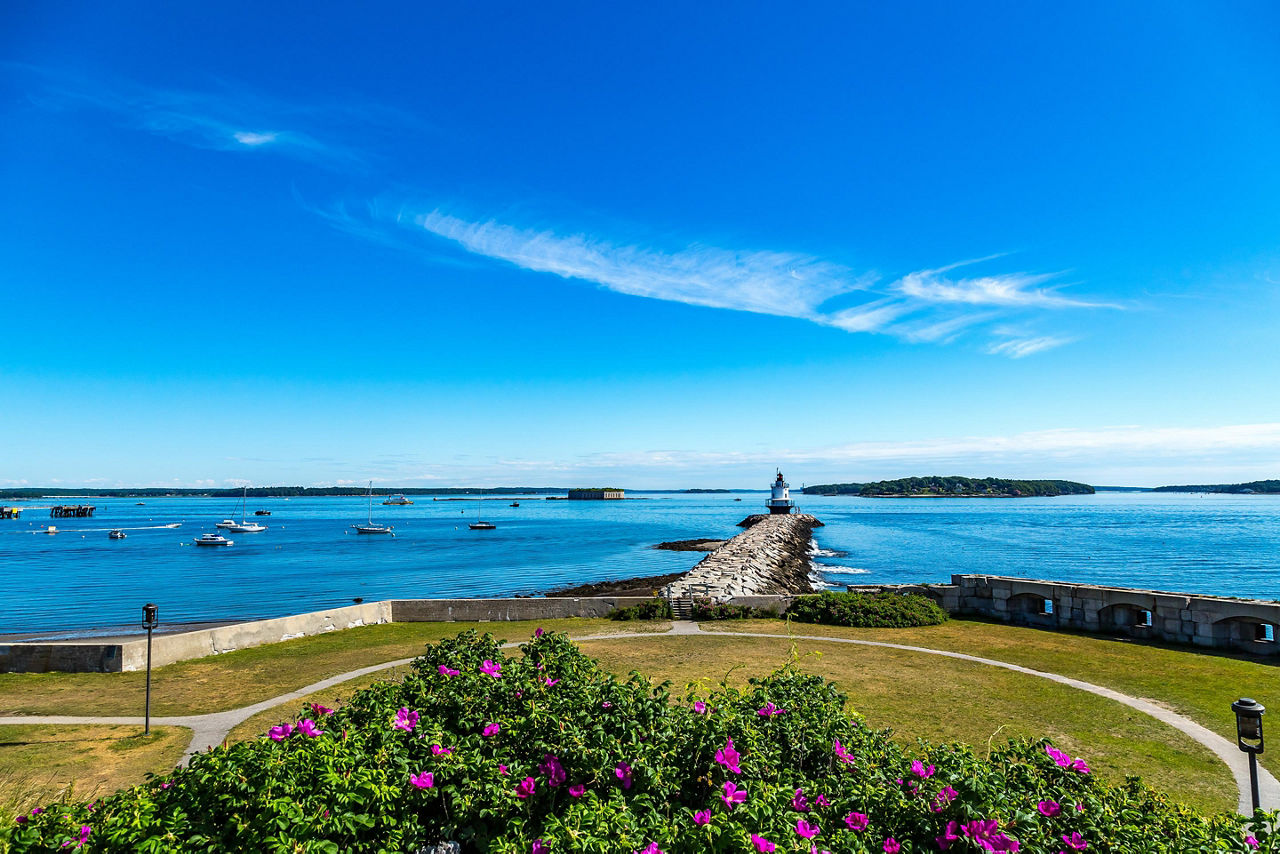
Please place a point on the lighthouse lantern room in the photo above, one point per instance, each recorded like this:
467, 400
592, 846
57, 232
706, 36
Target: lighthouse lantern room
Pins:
780, 502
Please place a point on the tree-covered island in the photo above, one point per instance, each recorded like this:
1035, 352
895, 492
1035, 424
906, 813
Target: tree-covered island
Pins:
1256, 487
953, 486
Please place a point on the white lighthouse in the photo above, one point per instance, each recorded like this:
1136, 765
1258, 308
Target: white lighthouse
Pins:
780, 502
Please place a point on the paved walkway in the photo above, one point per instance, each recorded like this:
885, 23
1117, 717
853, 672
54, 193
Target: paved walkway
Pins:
212, 729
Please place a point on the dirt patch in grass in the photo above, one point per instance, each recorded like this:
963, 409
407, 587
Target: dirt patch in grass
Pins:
943, 700
248, 676
40, 764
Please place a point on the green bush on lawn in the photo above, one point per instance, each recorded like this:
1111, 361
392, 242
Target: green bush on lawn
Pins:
654, 609
867, 610
546, 752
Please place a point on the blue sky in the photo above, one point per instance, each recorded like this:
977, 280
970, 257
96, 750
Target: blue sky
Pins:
658, 246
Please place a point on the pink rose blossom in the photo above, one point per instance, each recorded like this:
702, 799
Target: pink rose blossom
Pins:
281, 732
490, 669
526, 787
308, 728
806, 830
424, 780
762, 845
577, 790
729, 758
702, 817
857, 821
405, 720
732, 794
891, 846
491, 729
623, 773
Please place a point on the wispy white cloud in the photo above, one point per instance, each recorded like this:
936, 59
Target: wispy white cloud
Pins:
245, 137
221, 118
923, 306
1016, 348
779, 283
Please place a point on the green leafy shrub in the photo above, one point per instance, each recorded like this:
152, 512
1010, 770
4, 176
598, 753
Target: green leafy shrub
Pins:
654, 609
867, 610
704, 609
546, 752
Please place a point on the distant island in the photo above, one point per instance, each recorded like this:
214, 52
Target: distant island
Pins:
1256, 487
274, 491
953, 487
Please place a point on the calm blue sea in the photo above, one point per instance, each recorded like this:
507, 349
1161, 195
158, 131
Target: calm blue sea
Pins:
307, 559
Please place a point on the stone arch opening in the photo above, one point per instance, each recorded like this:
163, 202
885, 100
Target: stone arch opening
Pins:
1032, 609
1249, 634
1127, 618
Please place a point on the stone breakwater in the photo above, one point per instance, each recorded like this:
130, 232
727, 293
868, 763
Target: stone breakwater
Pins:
770, 557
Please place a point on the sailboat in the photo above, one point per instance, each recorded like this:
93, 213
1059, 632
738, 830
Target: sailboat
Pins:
243, 526
369, 527
478, 524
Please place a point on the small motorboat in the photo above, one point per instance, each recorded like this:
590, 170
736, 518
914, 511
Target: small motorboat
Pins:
227, 523
514, 504
140, 504
397, 499
116, 535
213, 540
262, 512
482, 526
243, 527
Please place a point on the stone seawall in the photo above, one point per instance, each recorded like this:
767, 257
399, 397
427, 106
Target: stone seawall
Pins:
1219, 622
770, 557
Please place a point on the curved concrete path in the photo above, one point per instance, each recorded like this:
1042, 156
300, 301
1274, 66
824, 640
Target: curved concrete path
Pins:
212, 729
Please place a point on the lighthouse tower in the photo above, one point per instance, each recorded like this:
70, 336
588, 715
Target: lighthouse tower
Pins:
780, 502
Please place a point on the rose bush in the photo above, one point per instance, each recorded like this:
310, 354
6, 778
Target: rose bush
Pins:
546, 752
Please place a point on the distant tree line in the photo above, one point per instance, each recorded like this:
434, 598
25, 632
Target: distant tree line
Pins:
276, 491
1264, 487
953, 486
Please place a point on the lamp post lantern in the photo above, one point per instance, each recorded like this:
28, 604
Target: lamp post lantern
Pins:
149, 622
1249, 737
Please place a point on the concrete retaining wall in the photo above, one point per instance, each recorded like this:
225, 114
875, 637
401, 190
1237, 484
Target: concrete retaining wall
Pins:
499, 610
127, 655
1217, 622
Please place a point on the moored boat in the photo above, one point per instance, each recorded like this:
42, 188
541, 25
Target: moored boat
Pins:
397, 500
213, 540
116, 534
369, 527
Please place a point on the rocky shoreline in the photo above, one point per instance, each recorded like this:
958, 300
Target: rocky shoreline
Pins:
691, 545
645, 586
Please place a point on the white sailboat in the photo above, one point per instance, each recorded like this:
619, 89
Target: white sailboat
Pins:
478, 524
244, 526
369, 527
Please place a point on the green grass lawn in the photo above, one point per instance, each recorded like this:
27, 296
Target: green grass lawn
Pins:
220, 682
39, 764
942, 700
919, 696
1200, 685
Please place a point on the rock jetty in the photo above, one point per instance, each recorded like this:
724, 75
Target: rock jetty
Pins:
770, 557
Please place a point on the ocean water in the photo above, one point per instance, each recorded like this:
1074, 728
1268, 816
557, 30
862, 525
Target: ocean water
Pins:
309, 558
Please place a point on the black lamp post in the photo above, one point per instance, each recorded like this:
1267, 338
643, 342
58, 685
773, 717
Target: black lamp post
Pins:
149, 622
1249, 737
